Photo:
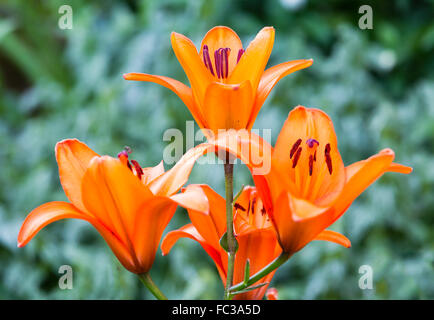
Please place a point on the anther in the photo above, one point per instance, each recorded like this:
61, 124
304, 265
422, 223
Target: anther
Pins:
263, 211
138, 168
207, 59
240, 54
217, 61
253, 205
294, 148
238, 206
328, 159
296, 157
310, 164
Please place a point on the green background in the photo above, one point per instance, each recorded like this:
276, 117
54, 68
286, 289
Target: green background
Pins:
377, 86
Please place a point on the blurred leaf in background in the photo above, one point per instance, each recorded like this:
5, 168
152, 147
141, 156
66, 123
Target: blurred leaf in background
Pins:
377, 85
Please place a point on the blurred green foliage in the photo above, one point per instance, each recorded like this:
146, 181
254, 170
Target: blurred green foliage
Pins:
377, 85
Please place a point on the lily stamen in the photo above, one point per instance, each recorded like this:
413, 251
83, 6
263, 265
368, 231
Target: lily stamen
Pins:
240, 54
207, 59
328, 157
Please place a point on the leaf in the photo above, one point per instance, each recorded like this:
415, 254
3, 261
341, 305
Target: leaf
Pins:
250, 288
224, 242
247, 272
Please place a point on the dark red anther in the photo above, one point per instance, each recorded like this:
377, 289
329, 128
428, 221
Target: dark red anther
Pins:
138, 168
314, 156
311, 142
328, 158
294, 148
217, 62
123, 157
240, 54
253, 205
263, 211
238, 206
296, 157
310, 164
225, 66
207, 59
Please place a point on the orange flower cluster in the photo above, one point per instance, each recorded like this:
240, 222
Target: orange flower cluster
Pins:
305, 191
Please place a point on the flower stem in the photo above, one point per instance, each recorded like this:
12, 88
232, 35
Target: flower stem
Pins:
229, 186
261, 273
147, 281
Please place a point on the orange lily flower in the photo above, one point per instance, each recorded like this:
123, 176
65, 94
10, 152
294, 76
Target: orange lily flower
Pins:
228, 84
130, 206
308, 187
253, 229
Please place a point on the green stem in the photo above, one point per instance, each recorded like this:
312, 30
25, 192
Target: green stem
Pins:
261, 273
229, 186
147, 281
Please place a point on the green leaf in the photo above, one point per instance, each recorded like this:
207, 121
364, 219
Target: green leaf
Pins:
250, 288
247, 271
224, 243
237, 195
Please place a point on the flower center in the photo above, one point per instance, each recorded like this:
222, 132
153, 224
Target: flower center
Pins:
133, 165
221, 61
312, 145
255, 213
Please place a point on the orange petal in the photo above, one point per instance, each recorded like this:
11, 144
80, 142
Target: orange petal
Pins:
269, 79
222, 37
272, 294
152, 173
73, 158
255, 58
44, 215
329, 235
192, 64
151, 220
250, 148
228, 106
297, 222
57, 210
192, 198
261, 248
211, 224
396, 167
321, 187
114, 195
171, 181
180, 89
189, 231
360, 175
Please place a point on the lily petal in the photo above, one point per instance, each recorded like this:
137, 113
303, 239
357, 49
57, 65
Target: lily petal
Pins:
189, 231
222, 37
192, 64
260, 247
57, 210
114, 195
254, 60
333, 236
361, 174
171, 181
228, 106
180, 89
270, 78
322, 186
295, 227
152, 173
151, 219
73, 157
